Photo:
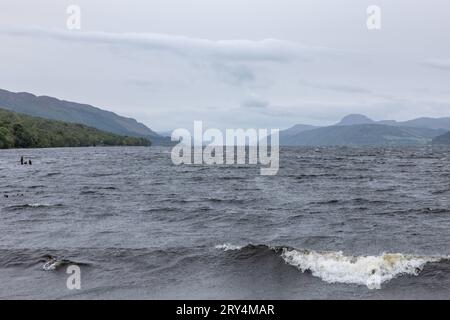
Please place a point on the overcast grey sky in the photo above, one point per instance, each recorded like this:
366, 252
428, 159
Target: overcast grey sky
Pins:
232, 63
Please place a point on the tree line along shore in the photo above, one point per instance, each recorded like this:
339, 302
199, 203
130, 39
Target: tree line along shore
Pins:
23, 131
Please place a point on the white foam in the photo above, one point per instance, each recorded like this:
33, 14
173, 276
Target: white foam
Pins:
371, 271
51, 265
37, 205
228, 247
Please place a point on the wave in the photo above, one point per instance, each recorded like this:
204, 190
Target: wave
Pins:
335, 267
372, 271
51, 174
228, 247
29, 258
54, 264
32, 205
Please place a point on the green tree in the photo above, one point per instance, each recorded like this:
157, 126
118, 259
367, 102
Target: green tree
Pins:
23, 137
6, 139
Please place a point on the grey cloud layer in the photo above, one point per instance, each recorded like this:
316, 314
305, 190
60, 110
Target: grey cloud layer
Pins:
335, 87
233, 50
443, 64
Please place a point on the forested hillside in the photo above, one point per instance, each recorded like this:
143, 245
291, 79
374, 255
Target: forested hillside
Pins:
22, 131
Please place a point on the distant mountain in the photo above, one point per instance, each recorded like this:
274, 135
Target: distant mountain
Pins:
358, 129
442, 139
55, 109
167, 133
353, 119
431, 123
285, 134
21, 131
362, 134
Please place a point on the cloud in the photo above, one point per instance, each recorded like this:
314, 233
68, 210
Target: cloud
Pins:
336, 87
441, 64
234, 74
228, 50
255, 103
146, 84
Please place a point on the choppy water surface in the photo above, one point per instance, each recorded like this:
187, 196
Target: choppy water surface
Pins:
334, 223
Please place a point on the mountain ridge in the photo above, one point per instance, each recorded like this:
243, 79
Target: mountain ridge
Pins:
353, 119
56, 109
358, 129
442, 139
363, 135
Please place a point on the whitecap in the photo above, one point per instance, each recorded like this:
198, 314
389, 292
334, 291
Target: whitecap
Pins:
38, 205
371, 271
51, 265
228, 247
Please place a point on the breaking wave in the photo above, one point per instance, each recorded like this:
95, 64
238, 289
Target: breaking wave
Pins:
335, 267
228, 247
54, 263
